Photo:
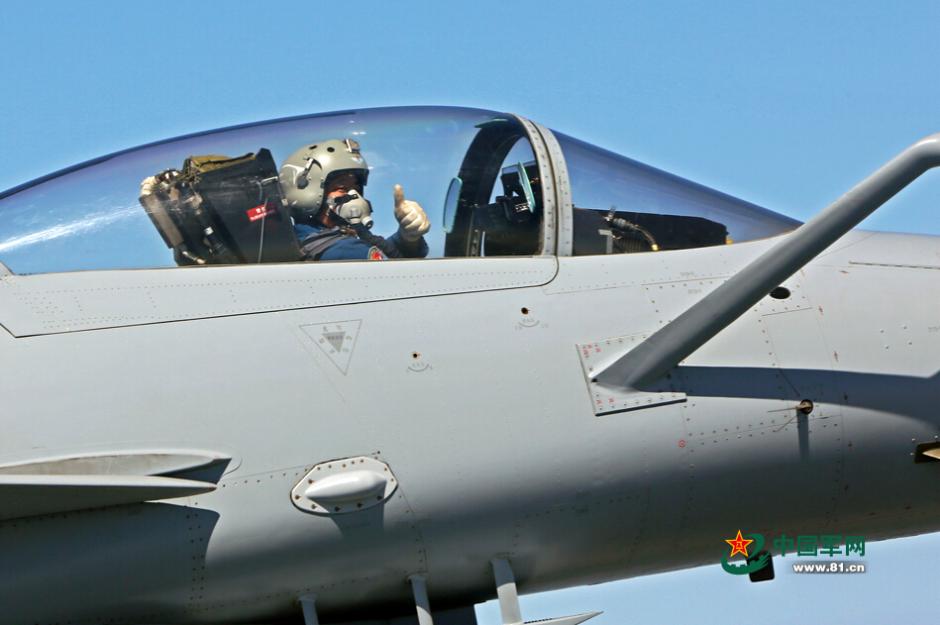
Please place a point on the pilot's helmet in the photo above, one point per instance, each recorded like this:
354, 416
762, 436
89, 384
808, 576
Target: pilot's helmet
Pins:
306, 172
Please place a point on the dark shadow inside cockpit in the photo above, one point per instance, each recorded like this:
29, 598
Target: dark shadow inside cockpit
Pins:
624, 232
624, 206
482, 222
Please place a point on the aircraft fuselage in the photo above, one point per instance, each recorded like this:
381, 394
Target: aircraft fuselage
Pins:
464, 377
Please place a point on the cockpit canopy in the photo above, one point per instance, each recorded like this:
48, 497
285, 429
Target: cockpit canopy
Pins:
480, 176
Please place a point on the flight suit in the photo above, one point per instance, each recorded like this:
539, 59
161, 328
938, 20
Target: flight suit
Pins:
332, 243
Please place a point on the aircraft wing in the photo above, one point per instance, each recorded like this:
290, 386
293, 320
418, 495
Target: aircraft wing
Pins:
82, 481
30, 495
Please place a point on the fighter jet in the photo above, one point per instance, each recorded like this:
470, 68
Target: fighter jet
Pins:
596, 370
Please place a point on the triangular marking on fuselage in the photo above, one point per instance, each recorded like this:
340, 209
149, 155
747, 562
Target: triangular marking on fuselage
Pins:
336, 340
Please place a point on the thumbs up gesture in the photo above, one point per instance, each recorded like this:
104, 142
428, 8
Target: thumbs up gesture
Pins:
412, 220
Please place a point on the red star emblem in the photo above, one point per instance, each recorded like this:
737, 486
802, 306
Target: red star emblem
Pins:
738, 544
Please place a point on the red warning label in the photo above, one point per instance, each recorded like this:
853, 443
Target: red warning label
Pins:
259, 212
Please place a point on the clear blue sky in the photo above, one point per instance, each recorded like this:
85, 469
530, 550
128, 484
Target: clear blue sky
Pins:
786, 104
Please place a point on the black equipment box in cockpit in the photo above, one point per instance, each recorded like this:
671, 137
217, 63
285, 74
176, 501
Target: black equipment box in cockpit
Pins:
221, 210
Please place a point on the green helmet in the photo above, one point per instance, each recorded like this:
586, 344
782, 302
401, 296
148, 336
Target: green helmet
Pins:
305, 173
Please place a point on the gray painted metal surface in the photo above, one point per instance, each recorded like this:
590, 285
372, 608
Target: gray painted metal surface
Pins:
344, 486
465, 378
70, 302
553, 196
662, 351
562, 188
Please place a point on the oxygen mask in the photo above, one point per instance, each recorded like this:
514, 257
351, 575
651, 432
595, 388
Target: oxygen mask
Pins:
352, 209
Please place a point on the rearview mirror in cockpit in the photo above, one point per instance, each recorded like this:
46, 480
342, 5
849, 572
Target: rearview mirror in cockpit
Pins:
450, 204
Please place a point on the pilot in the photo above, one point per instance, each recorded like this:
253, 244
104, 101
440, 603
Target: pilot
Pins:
323, 183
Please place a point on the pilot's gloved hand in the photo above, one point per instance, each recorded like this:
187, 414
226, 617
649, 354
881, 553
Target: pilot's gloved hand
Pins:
412, 220
147, 186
